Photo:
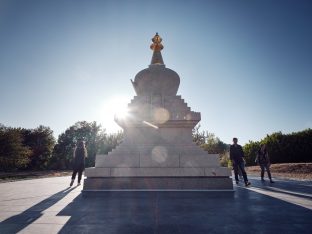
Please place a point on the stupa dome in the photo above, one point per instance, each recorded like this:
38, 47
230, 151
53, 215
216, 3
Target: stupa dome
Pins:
156, 79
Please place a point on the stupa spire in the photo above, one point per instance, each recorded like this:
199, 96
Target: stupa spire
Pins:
156, 46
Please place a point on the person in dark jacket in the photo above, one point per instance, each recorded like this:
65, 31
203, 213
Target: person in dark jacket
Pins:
80, 153
264, 162
238, 162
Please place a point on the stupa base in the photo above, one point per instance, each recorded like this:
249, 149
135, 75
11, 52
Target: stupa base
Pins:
97, 184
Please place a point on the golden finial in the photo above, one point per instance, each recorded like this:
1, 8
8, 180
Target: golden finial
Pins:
156, 46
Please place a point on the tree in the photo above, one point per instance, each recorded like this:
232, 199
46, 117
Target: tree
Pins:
199, 137
96, 141
212, 144
109, 141
14, 154
250, 151
41, 141
283, 148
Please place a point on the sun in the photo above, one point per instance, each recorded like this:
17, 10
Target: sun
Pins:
114, 107
121, 112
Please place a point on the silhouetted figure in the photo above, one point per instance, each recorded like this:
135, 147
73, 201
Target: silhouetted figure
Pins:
264, 162
80, 153
238, 162
240, 174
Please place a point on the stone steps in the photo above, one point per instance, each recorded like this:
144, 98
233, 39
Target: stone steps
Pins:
135, 159
158, 172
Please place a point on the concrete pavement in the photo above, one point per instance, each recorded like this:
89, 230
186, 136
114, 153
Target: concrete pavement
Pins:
48, 205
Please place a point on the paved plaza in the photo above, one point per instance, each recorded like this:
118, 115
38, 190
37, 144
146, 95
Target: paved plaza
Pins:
48, 205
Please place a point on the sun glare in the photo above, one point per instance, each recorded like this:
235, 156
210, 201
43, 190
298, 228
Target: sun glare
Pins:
115, 107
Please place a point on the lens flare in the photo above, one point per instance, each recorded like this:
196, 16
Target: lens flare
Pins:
161, 115
159, 154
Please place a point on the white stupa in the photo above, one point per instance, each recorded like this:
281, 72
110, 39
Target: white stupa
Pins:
158, 152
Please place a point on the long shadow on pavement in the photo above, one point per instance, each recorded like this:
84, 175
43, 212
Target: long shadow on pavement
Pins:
184, 212
18, 222
288, 186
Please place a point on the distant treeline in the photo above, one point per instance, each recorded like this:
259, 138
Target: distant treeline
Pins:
37, 149
283, 148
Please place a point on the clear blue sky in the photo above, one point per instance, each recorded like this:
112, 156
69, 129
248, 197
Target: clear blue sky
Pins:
245, 65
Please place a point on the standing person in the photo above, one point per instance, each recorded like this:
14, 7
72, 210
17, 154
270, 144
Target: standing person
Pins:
80, 153
240, 174
264, 162
238, 162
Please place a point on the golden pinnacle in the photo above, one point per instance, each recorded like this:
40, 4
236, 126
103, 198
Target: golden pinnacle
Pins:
156, 46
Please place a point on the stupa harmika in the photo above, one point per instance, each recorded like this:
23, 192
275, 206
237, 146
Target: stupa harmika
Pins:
157, 152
